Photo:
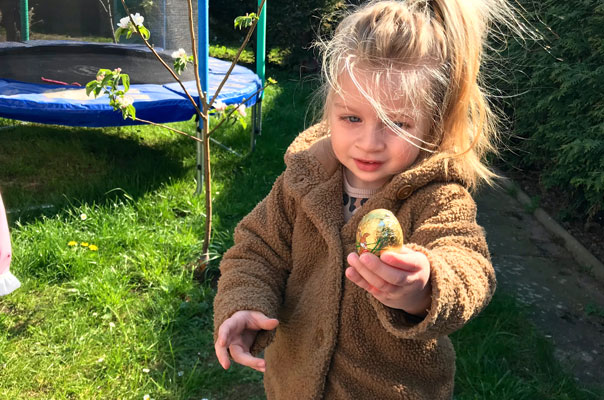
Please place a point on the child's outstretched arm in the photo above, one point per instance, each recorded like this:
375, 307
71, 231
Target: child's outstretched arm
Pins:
254, 271
461, 279
236, 336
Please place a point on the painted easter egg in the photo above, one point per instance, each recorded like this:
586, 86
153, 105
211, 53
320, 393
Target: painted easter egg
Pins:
379, 231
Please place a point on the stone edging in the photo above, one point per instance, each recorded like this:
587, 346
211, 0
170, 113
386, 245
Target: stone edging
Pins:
576, 249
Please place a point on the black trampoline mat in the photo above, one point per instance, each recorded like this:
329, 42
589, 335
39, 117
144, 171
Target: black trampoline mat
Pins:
80, 63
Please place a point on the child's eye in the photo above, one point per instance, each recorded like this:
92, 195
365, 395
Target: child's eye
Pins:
402, 125
351, 118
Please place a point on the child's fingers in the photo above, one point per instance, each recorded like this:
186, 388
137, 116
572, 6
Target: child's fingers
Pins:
223, 342
382, 276
222, 353
243, 357
357, 279
261, 321
406, 260
379, 275
362, 277
358, 272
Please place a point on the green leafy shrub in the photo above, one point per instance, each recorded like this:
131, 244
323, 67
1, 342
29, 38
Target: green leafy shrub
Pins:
559, 116
291, 25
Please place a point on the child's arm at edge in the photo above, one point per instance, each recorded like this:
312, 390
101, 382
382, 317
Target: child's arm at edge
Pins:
462, 279
254, 271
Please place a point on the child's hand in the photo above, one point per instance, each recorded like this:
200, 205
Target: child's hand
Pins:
236, 335
398, 280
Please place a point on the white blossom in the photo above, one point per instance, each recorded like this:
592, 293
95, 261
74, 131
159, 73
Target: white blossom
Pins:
219, 105
138, 19
125, 22
124, 101
241, 110
180, 53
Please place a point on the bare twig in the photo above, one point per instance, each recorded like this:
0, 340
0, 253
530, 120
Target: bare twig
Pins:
163, 62
103, 5
169, 128
107, 9
243, 45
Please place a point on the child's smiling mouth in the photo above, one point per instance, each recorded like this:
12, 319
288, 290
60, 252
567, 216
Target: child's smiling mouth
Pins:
367, 165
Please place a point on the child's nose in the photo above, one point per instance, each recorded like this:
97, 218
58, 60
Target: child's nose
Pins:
372, 139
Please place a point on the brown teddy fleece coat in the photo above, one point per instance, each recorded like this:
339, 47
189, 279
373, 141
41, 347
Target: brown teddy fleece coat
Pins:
335, 340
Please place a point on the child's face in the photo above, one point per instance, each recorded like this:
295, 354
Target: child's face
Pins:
370, 151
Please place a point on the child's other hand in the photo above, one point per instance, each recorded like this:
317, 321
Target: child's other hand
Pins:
398, 280
236, 335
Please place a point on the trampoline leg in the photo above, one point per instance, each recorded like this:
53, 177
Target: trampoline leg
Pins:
256, 124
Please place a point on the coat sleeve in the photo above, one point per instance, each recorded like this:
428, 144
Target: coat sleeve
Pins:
254, 271
461, 274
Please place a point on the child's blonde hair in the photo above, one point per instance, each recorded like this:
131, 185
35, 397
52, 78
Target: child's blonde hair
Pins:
432, 51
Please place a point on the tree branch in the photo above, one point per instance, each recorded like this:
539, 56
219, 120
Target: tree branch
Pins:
243, 45
198, 111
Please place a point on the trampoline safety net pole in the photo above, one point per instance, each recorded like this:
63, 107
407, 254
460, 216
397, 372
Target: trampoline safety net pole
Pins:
24, 21
260, 71
261, 45
203, 64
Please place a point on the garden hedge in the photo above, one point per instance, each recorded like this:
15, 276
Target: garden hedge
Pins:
559, 110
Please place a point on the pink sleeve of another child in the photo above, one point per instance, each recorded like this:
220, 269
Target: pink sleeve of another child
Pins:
5, 248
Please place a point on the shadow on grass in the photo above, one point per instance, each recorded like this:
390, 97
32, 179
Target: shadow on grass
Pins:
47, 168
186, 366
245, 181
240, 183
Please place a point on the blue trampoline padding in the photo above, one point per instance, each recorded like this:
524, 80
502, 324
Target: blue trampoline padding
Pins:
68, 105
242, 83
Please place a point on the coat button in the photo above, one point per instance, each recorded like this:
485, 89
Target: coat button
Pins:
404, 192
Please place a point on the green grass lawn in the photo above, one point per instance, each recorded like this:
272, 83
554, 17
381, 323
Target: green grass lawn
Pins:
128, 319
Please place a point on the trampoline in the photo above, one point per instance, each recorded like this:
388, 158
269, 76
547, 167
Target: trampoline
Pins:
39, 79
31, 90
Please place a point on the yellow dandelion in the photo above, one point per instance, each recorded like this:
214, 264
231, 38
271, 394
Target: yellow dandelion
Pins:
93, 247
72, 243
84, 244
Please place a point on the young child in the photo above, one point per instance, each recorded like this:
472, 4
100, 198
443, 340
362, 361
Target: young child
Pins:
405, 126
8, 282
